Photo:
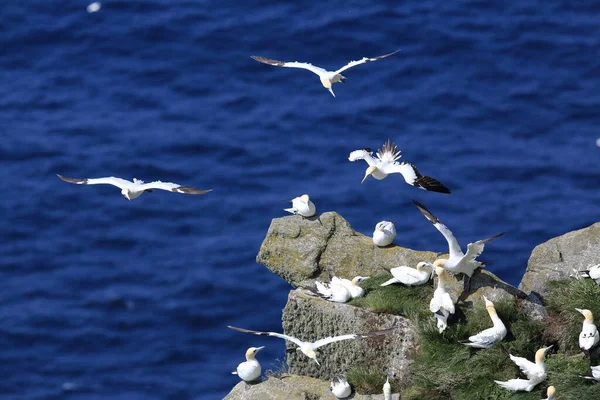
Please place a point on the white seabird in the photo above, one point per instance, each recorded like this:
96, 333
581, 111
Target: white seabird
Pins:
94, 7
386, 164
302, 206
410, 276
589, 335
441, 305
308, 348
249, 370
550, 392
340, 290
489, 337
535, 371
387, 389
340, 387
592, 272
328, 78
133, 190
384, 233
595, 374
458, 261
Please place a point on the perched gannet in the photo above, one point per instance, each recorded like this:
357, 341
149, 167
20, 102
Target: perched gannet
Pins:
550, 392
535, 372
441, 305
249, 370
589, 335
384, 233
328, 78
133, 190
458, 261
302, 206
340, 290
340, 387
410, 276
386, 164
308, 348
387, 389
595, 374
489, 337
592, 272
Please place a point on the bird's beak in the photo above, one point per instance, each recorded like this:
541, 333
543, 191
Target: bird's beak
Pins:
548, 348
259, 348
317, 362
364, 278
580, 310
484, 298
369, 171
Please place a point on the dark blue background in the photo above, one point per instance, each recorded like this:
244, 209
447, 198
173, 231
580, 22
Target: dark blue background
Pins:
102, 298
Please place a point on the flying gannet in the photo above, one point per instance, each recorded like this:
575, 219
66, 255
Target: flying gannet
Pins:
133, 190
589, 335
340, 290
535, 371
550, 392
592, 272
386, 164
384, 233
340, 387
249, 370
308, 348
489, 337
410, 276
595, 374
328, 78
302, 206
458, 261
441, 305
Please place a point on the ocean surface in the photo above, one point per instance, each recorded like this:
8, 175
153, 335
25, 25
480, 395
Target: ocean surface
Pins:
104, 298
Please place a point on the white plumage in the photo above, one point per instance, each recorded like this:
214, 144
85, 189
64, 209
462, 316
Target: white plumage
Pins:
595, 374
441, 305
327, 78
535, 372
592, 272
411, 276
384, 233
340, 387
341, 290
302, 206
133, 190
249, 370
387, 389
589, 336
386, 163
488, 337
550, 392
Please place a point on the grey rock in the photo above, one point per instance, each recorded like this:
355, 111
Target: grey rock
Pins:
556, 258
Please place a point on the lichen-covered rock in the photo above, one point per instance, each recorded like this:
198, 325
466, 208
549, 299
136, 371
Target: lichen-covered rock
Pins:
310, 318
300, 249
291, 387
556, 258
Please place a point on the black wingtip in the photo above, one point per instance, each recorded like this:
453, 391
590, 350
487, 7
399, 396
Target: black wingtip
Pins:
431, 185
432, 218
504, 350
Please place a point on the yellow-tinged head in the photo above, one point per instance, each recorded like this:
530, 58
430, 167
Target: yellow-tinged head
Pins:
359, 279
488, 304
251, 352
589, 317
441, 272
125, 192
440, 262
539, 355
369, 172
310, 353
551, 391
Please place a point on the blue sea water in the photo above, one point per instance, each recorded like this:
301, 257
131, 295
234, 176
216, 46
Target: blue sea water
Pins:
102, 298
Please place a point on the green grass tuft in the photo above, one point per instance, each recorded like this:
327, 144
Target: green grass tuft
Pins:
365, 380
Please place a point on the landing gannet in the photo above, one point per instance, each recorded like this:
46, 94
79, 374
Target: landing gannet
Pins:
592, 272
341, 290
441, 305
550, 392
384, 233
328, 78
386, 164
387, 389
458, 261
340, 387
589, 335
410, 276
249, 370
302, 206
536, 372
308, 348
489, 337
133, 190
595, 374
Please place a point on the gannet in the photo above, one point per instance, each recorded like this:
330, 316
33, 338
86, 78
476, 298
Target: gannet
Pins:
340, 290
458, 261
550, 392
384, 233
589, 335
249, 370
489, 337
387, 389
441, 305
592, 272
308, 348
535, 371
410, 276
340, 387
133, 190
328, 78
302, 206
386, 164
595, 374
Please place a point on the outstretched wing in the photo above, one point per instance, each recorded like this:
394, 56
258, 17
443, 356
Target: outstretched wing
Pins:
413, 177
453, 246
474, 250
172, 187
363, 154
317, 70
524, 364
118, 182
362, 61
279, 335
330, 339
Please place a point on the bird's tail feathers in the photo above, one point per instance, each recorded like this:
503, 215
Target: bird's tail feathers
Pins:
386, 283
